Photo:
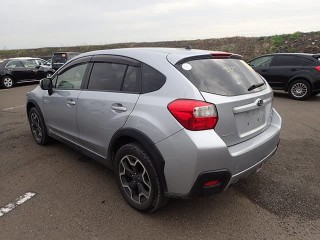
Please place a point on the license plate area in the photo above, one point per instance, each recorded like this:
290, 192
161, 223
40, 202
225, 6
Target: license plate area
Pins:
251, 121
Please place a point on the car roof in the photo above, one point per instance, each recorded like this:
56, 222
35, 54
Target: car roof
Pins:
305, 54
310, 55
173, 55
24, 58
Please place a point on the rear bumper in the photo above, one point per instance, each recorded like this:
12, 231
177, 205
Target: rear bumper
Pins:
225, 178
201, 155
252, 169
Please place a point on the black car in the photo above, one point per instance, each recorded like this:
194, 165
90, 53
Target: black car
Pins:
60, 58
15, 71
296, 73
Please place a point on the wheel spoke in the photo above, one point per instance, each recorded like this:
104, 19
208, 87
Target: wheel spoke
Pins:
128, 189
128, 172
142, 192
145, 178
126, 169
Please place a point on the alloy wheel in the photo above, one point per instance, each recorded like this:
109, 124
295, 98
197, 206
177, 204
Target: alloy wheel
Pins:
8, 82
36, 126
299, 90
134, 179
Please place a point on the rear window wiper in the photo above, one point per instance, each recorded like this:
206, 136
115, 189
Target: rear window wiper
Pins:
254, 86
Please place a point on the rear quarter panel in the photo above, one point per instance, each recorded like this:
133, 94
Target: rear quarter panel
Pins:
151, 115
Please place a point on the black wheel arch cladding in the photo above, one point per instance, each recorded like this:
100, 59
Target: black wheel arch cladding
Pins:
147, 144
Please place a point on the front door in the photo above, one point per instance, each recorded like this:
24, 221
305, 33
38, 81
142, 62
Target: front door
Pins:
261, 65
31, 69
60, 109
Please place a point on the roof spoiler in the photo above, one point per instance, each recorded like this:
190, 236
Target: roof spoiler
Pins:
214, 55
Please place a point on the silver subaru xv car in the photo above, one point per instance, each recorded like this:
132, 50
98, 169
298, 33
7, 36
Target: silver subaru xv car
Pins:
169, 122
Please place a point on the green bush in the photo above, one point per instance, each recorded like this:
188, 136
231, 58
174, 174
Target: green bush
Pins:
278, 40
294, 36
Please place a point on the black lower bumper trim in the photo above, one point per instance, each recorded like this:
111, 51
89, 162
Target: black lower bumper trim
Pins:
199, 188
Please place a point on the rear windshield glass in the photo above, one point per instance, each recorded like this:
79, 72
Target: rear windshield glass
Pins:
59, 58
228, 77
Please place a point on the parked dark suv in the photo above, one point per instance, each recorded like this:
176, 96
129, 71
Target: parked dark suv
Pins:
296, 73
60, 58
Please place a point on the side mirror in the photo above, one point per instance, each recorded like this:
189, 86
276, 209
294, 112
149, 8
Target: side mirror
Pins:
37, 66
46, 84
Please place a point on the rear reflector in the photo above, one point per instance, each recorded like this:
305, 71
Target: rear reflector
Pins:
193, 114
212, 183
318, 68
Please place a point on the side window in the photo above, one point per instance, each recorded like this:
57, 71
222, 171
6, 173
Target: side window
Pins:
261, 62
72, 78
131, 81
152, 80
107, 76
286, 61
14, 64
29, 63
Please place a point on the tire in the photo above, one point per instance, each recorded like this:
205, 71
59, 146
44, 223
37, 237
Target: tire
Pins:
138, 179
7, 82
37, 127
299, 89
49, 74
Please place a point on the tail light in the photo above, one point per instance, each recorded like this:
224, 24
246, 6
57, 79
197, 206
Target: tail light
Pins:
194, 115
318, 68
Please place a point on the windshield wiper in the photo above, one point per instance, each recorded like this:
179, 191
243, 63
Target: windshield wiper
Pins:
254, 86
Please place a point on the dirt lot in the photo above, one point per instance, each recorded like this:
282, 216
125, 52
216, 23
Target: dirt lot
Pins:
78, 198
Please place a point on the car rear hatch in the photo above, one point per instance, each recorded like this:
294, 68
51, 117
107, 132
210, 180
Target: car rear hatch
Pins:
241, 96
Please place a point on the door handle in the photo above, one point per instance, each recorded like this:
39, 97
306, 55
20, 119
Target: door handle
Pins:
118, 107
71, 102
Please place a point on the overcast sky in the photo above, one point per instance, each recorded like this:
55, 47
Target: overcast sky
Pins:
45, 23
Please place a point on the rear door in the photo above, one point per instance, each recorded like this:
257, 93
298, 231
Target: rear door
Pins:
282, 69
103, 108
60, 109
31, 70
243, 113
